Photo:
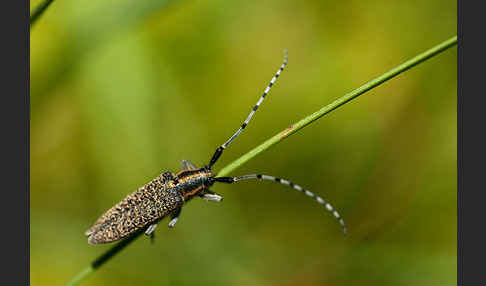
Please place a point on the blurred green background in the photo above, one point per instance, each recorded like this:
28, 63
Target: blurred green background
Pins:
124, 90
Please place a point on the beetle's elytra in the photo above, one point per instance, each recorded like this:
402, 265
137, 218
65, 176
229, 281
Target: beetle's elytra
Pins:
166, 194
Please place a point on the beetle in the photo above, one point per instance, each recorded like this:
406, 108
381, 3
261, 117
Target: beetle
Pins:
166, 194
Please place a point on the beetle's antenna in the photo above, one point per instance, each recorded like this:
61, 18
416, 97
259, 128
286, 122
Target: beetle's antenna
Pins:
220, 149
320, 200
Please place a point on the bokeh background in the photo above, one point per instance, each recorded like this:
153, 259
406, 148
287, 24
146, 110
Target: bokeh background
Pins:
124, 90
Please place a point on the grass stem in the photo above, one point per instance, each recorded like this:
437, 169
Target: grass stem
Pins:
282, 135
41, 8
337, 103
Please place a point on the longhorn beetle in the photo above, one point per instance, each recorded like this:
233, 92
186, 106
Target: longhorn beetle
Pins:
166, 194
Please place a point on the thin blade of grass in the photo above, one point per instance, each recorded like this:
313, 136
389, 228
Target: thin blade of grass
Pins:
279, 137
39, 10
337, 103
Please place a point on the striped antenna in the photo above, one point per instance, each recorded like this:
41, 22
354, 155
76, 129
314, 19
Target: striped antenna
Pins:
288, 183
220, 149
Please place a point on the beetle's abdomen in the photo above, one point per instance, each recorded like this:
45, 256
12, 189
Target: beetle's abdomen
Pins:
138, 210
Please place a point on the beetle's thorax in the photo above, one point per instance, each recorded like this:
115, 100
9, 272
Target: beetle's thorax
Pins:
191, 182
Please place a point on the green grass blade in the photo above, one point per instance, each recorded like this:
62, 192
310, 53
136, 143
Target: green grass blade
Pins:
337, 103
41, 8
279, 137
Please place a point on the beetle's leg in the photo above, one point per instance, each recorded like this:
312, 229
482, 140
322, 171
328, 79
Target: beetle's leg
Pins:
175, 216
150, 229
188, 165
211, 196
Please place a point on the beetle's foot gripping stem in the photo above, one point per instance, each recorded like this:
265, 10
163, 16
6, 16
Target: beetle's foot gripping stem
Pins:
211, 196
150, 231
173, 222
175, 216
